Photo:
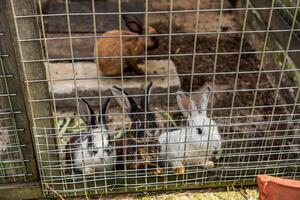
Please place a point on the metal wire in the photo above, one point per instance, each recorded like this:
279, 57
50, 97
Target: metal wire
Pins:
254, 99
12, 163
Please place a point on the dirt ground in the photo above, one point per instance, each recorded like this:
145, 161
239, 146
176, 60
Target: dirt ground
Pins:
212, 194
240, 90
243, 98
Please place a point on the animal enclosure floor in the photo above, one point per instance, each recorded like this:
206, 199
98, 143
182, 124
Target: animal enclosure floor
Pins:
247, 90
83, 33
243, 96
162, 73
252, 97
211, 194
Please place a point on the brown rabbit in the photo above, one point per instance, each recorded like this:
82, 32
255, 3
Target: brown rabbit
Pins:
131, 46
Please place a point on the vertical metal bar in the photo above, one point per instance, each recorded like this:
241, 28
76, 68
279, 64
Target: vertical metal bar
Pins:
192, 73
168, 95
122, 87
262, 56
33, 71
215, 66
43, 41
239, 59
238, 67
99, 85
145, 91
83, 164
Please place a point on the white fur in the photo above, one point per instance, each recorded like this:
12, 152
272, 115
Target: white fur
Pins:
92, 151
97, 162
186, 146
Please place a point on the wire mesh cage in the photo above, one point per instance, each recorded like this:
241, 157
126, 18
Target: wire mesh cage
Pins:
12, 163
152, 95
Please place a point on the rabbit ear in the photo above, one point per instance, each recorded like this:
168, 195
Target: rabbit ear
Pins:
123, 100
145, 101
187, 106
133, 23
104, 111
204, 99
86, 112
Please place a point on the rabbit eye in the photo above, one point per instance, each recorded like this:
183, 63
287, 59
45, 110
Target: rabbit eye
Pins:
108, 151
108, 137
139, 123
95, 152
199, 131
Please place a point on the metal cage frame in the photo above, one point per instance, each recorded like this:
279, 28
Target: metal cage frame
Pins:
257, 112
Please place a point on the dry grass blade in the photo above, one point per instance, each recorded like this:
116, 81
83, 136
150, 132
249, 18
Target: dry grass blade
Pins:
52, 190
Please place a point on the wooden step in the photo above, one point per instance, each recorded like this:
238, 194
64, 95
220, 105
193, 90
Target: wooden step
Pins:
62, 84
81, 15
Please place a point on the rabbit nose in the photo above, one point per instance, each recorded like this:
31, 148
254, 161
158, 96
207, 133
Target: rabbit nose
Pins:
216, 153
100, 154
101, 159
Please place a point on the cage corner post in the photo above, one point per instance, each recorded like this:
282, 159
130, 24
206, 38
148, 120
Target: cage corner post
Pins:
26, 62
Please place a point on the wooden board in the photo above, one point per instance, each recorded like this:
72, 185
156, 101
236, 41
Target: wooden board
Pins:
32, 190
12, 63
278, 23
88, 85
34, 113
60, 48
83, 22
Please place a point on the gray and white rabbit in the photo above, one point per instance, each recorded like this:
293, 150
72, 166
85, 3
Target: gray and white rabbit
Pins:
93, 151
195, 144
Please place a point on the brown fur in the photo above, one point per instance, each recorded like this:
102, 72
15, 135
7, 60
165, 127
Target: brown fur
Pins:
138, 148
138, 153
110, 47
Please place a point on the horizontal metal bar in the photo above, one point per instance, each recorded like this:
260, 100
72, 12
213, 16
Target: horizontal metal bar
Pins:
161, 56
8, 112
8, 95
151, 12
4, 55
91, 35
7, 76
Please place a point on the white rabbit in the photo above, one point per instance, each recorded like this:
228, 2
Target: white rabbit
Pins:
92, 151
196, 143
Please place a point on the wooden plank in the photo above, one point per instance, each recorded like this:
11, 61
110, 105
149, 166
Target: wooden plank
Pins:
32, 190
278, 23
151, 182
59, 48
87, 83
83, 23
28, 71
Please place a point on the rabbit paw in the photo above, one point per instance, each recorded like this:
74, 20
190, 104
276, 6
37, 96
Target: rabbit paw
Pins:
179, 170
157, 172
209, 164
88, 171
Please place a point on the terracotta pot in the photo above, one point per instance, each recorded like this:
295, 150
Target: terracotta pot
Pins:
271, 188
